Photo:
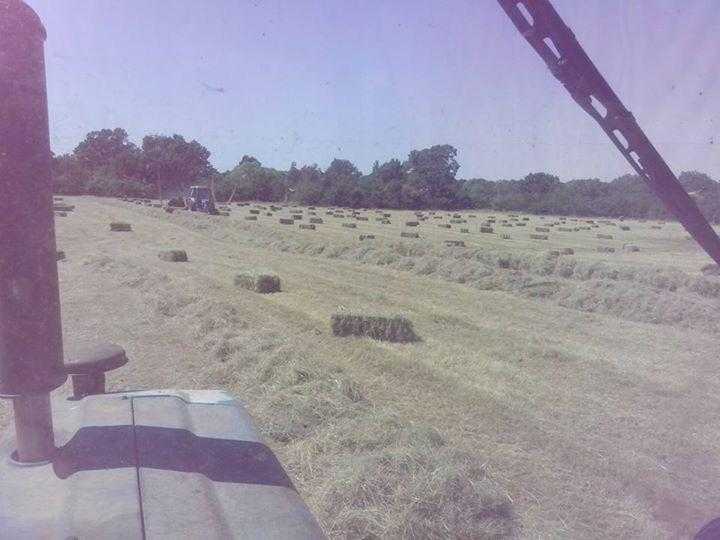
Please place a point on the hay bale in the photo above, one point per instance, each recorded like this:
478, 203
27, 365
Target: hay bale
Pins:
487, 230
253, 211
568, 251
605, 249
316, 220
538, 236
521, 224
465, 231
631, 248
251, 218
173, 255
367, 237
60, 255
624, 227
405, 234
286, 221
604, 236
297, 217
58, 199
505, 236
259, 282
396, 329
350, 225
565, 229
361, 218
656, 226
385, 222
444, 225
458, 221
63, 207
307, 226
120, 227
61, 214
455, 243
411, 223
169, 209
542, 229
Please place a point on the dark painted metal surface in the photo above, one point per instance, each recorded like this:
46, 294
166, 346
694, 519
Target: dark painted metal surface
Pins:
546, 32
30, 331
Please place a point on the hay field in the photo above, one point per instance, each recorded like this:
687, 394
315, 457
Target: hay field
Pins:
548, 396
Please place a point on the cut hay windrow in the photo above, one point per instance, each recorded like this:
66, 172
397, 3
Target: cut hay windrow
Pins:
173, 255
350, 225
307, 226
367, 237
258, 281
395, 329
538, 236
120, 227
604, 236
286, 221
412, 223
487, 230
405, 234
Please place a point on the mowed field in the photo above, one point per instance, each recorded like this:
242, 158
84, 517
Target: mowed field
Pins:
550, 395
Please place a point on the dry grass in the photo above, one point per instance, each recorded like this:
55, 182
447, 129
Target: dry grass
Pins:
550, 397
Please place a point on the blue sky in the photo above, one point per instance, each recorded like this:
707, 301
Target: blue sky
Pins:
311, 80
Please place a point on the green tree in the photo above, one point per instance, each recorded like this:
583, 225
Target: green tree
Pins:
172, 164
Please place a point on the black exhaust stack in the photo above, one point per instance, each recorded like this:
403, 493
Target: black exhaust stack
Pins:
31, 352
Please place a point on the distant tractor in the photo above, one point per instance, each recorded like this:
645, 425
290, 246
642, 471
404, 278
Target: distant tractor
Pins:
199, 199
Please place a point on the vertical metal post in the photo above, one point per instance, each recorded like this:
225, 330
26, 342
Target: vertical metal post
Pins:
31, 357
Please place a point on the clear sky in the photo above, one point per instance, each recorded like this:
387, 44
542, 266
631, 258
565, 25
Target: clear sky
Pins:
311, 80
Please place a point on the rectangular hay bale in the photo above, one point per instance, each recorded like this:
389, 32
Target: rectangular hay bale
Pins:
397, 329
259, 282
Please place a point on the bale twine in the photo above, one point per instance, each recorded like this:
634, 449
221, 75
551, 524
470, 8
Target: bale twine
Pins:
173, 255
120, 227
397, 329
257, 281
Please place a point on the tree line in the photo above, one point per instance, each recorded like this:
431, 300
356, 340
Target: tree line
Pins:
107, 163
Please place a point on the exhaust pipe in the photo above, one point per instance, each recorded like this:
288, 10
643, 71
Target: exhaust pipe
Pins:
31, 353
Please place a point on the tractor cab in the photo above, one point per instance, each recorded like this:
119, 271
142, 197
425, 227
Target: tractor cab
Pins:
198, 199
